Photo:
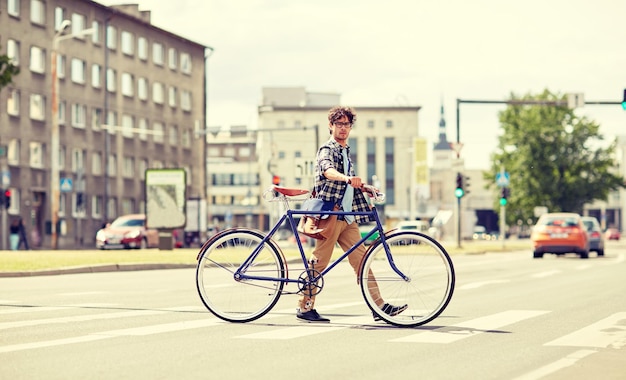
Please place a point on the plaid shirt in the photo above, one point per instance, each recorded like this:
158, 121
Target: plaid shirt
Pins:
329, 156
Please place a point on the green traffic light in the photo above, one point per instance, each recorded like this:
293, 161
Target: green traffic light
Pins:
458, 192
624, 105
502, 201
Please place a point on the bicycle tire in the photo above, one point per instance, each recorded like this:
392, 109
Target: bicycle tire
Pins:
239, 300
429, 286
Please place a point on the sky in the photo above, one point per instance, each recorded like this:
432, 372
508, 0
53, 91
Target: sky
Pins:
410, 53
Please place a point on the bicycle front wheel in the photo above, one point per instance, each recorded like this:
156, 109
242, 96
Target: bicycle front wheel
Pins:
239, 299
422, 282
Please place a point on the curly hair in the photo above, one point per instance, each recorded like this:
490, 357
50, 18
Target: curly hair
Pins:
338, 112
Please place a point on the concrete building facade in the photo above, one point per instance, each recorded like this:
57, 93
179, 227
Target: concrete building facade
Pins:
131, 96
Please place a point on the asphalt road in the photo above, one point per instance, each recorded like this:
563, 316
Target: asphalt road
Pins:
511, 317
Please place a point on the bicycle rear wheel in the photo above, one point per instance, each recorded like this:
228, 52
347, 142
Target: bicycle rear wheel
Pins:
427, 288
239, 300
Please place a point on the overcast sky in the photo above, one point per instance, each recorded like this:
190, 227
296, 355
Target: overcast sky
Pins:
409, 52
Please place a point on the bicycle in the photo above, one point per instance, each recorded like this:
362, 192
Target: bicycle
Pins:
241, 272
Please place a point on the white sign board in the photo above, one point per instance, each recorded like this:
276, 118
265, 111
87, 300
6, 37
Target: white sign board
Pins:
166, 198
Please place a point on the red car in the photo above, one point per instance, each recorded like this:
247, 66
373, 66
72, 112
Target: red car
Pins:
128, 231
612, 234
560, 233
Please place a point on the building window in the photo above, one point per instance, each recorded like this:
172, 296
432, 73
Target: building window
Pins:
157, 92
142, 125
158, 131
78, 160
37, 59
172, 96
13, 103
37, 106
186, 138
13, 52
35, 155
79, 115
185, 63
60, 66
61, 112
128, 169
37, 12
128, 86
96, 81
389, 124
112, 165
370, 124
172, 58
13, 152
96, 118
390, 181
14, 7
142, 48
59, 16
96, 206
95, 36
143, 166
128, 47
96, 163
128, 124
370, 146
157, 54
142, 88
78, 25
185, 100
173, 135
78, 71
111, 121
111, 37
111, 80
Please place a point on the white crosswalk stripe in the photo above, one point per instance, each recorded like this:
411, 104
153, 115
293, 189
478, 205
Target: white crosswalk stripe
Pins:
472, 327
606, 333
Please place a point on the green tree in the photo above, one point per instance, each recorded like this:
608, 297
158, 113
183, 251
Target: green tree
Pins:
7, 71
555, 158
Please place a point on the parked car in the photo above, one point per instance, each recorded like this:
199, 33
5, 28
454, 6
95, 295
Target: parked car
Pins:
596, 238
128, 231
414, 225
560, 233
480, 233
612, 234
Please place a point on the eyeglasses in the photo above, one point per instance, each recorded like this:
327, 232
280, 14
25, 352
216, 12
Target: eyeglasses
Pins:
342, 125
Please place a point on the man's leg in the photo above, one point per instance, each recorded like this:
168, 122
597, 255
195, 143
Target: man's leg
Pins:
321, 257
350, 236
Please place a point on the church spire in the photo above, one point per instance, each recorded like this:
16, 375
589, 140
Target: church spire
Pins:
443, 143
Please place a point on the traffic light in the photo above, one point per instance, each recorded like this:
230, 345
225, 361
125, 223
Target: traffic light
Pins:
460, 190
624, 100
276, 180
7, 198
504, 195
466, 185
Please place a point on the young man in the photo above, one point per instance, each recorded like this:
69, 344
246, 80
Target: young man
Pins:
335, 181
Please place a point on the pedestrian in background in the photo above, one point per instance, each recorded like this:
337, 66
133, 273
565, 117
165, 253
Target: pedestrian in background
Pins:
14, 234
23, 239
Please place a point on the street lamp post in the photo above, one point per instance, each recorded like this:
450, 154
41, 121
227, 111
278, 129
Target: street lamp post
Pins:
54, 140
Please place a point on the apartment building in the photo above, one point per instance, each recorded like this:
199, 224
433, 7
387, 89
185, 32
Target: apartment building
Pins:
130, 96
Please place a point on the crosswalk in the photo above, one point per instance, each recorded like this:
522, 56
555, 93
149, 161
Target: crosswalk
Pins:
608, 332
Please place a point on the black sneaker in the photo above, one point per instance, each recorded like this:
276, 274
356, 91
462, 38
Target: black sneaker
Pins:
311, 316
390, 310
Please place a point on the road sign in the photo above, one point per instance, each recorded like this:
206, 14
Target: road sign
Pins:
66, 185
503, 179
6, 178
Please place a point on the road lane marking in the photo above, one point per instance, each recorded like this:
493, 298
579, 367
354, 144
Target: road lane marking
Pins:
475, 285
86, 318
472, 327
609, 332
15, 309
558, 365
136, 331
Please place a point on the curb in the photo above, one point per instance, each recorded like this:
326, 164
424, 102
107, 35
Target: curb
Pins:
96, 269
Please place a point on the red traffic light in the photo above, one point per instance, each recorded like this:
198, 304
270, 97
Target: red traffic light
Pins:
7, 192
276, 180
